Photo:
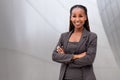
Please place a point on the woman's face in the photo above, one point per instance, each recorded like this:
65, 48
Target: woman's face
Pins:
78, 17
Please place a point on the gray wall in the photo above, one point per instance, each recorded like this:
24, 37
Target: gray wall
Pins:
29, 31
110, 15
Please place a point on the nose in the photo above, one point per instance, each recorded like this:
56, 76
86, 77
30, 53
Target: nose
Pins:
77, 19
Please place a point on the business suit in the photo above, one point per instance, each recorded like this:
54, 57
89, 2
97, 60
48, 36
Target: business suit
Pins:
88, 44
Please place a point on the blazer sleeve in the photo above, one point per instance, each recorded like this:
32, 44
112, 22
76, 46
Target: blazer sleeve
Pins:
61, 58
90, 54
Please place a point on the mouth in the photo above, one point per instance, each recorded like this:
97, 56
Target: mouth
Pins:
77, 23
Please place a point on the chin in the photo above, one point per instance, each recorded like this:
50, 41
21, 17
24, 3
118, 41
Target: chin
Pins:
78, 27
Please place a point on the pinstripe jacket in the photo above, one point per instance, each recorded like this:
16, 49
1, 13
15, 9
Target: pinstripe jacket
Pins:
88, 43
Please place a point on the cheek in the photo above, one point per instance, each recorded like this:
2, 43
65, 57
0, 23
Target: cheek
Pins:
84, 19
72, 19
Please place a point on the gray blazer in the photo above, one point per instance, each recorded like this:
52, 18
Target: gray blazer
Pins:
88, 43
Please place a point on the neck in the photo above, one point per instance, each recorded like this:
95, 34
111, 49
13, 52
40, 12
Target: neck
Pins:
78, 30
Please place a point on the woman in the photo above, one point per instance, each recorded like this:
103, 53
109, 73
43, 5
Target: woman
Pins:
76, 49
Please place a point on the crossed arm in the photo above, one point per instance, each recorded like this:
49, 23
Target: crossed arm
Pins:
60, 50
77, 60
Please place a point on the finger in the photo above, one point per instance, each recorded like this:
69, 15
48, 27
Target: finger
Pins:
85, 53
61, 49
58, 47
58, 50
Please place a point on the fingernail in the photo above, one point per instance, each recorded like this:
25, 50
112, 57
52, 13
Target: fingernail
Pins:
58, 47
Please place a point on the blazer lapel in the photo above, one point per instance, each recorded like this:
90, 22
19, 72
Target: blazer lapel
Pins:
83, 38
67, 39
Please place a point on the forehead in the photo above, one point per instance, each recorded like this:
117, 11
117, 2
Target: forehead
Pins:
78, 10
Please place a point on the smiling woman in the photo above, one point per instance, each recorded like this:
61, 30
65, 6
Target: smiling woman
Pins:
76, 49
78, 17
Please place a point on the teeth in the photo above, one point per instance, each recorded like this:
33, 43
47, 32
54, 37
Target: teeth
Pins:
77, 23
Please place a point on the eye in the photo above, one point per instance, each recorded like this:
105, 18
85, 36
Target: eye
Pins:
74, 16
80, 16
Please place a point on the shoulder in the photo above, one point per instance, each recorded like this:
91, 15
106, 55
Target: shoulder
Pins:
92, 35
65, 34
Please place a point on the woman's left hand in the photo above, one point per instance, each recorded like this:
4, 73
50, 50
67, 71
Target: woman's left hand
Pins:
60, 50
